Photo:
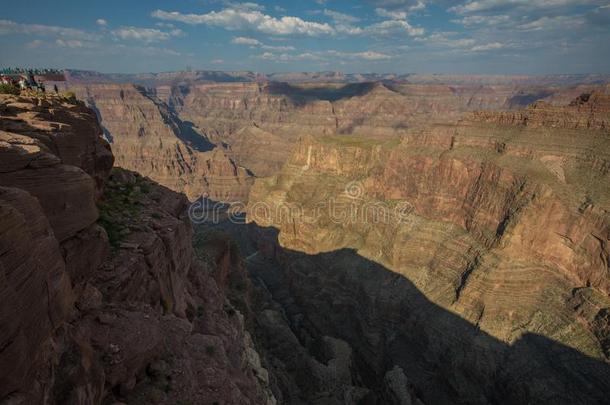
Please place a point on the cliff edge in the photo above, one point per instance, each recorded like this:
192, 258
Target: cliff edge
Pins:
103, 297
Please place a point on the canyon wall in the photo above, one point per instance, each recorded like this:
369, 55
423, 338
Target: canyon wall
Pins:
103, 298
149, 138
261, 122
474, 257
166, 129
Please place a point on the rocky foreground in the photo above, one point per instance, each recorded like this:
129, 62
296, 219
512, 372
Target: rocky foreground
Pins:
103, 299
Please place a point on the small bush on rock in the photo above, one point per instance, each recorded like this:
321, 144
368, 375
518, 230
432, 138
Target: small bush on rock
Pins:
9, 89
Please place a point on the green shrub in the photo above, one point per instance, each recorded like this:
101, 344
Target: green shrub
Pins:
119, 208
210, 350
166, 305
70, 95
9, 89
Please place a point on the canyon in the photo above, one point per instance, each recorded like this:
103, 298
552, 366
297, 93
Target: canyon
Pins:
471, 257
416, 239
217, 129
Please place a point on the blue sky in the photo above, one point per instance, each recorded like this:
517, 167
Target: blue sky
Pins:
399, 36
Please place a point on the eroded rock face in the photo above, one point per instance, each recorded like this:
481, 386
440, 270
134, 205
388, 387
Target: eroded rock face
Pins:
462, 256
53, 167
588, 111
256, 121
35, 288
149, 138
107, 304
262, 121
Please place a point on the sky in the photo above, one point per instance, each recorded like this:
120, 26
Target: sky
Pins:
381, 36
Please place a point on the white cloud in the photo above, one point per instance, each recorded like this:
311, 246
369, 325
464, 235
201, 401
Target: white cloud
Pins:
240, 18
445, 40
324, 56
255, 43
341, 17
557, 22
69, 43
487, 5
394, 15
420, 5
489, 20
349, 29
245, 41
35, 43
11, 27
284, 57
217, 61
280, 48
367, 55
101, 22
488, 47
145, 34
393, 27
405, 5
442, 39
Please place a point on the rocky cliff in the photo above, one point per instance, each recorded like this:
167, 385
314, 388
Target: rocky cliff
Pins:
103, 298
166, 128
261, 122
472, 257
149, 138
588, 111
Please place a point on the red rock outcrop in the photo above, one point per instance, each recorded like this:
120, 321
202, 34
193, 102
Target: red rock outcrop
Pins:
588, 111
112, 310
52, 170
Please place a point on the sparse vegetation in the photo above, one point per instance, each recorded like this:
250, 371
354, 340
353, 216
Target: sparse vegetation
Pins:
121, 208
166, 305
210, 350
69, 95
9, 89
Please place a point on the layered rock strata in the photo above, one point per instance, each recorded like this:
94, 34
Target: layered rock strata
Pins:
257, 123
149, 138
473, 257
108, 304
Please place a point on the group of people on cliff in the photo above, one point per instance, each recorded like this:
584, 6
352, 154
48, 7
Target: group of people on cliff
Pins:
28, 83
26, 79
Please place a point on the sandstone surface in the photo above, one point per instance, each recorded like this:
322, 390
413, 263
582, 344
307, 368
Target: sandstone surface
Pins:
103, 298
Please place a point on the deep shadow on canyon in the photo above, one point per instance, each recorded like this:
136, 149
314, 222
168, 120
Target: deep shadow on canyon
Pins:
388, 322
301, 95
